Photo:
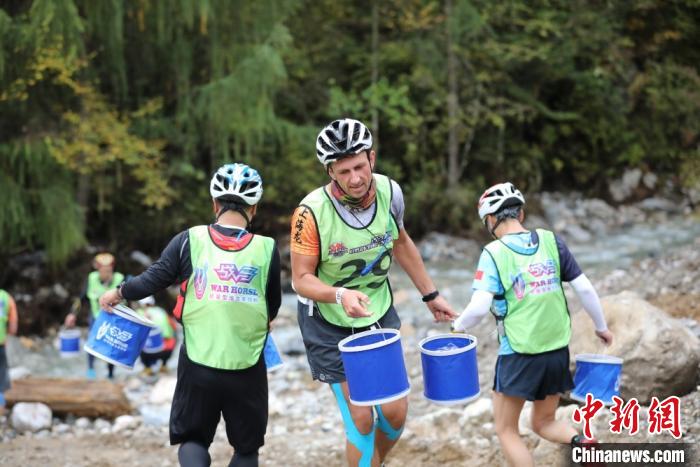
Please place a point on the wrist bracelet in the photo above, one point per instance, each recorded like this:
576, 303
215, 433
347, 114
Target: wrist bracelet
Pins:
339, 295
431, 296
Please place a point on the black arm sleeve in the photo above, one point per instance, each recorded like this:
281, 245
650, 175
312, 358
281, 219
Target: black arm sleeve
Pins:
172, 267
274, 288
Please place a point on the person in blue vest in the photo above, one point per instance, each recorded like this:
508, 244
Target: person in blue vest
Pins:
520, 273
103, 278
229, 281
344, 236
8, 325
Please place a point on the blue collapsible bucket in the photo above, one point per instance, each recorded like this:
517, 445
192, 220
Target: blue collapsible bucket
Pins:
374, 366
69, 342
450, 371
118, 337
273, 360
599, 375
154, 341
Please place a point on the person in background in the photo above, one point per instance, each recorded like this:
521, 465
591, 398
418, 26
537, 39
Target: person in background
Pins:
98, 282
8, 325
167, 326
229, 293
520, 273
344, 236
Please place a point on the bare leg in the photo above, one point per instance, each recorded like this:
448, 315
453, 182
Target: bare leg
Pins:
394, 413
506, 414
546, 425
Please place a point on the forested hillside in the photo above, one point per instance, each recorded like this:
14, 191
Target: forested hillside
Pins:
114, 113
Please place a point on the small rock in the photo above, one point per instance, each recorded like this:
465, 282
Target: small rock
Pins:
133, 384
479, 407
19, 372
101, 423
27, 343
124, 422
60, 291
82, 423
482, 443
61, 428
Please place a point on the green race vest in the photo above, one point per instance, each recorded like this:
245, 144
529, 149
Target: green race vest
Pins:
225, 312
355, 258
95, 289
4, 314
160, 319
537, 317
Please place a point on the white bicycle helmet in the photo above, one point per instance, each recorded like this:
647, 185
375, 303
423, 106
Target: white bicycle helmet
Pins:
497, 197
341, 138
237, 181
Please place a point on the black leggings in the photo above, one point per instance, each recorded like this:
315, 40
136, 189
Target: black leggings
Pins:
150, 359
193, 454
91, 365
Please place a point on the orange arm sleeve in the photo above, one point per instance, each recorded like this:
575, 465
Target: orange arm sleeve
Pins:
304, 235
12, 318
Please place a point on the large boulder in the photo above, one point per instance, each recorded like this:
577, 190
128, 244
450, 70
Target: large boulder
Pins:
31, 416
660, 354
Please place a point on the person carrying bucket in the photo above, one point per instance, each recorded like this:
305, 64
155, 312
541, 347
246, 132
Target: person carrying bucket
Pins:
8, 325
520, 274
166, 328
229, 292
344, 236
98, 282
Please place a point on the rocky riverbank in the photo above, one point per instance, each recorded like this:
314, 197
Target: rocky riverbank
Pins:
305, 428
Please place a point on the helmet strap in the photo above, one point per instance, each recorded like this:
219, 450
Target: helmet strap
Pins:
242, 212
492, 231
239, 209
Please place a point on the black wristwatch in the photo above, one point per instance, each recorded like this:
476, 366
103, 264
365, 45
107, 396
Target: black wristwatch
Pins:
431, 296
119, 290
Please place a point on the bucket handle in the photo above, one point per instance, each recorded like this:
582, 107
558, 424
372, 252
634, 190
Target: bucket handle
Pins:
374, 326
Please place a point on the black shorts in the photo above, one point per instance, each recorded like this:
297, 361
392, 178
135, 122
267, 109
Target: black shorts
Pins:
321, 341
150, 359
202, 394
533, 377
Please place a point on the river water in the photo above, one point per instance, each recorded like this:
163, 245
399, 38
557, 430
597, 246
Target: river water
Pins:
604, 253
598, 257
